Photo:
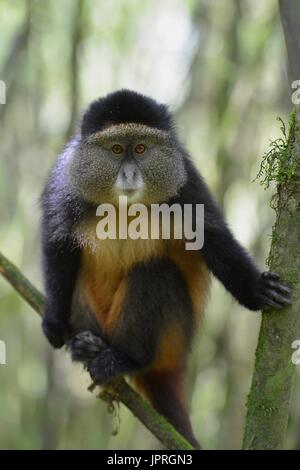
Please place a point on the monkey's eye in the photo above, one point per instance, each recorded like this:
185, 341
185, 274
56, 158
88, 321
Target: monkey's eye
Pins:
117, 149
140, 148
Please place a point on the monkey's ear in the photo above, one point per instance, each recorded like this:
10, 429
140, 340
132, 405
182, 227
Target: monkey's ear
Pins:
125, 106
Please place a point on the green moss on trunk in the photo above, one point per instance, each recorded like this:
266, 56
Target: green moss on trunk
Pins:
269, 397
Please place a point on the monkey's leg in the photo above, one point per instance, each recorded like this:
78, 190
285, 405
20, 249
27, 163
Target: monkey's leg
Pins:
156, 298
165, 391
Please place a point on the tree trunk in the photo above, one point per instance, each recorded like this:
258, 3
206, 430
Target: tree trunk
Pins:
269, 397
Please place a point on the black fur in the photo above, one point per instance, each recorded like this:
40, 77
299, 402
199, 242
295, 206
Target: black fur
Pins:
61, 262
125, 106
166, 302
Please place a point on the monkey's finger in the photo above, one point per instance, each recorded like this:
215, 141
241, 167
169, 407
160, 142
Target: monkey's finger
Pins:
271, 275
84, 350
274, 295
81, 355
268, 303
279, 286
89, 339
83, 345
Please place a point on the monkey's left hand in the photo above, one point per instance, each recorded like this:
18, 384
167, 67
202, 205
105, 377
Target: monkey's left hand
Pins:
272, 292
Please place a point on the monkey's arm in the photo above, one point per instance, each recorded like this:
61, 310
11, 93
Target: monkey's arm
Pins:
227, 259
232, 265
61, 210
60, 266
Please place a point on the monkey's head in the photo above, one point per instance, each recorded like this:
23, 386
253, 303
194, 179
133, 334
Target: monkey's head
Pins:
128, 146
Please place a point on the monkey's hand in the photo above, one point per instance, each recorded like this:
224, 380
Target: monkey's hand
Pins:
271, 292
101, 361
55, 331
85, 346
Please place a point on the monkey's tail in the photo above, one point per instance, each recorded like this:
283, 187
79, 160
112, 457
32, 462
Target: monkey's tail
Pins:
165, 391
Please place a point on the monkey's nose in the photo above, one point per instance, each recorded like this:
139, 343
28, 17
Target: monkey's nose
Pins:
129, 177
129, 173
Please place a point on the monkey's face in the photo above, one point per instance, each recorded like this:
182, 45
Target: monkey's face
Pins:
140, 162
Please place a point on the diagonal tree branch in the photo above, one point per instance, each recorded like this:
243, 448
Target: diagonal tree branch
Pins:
116, 390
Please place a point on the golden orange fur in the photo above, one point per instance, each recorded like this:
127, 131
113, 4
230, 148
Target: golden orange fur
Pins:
106, 264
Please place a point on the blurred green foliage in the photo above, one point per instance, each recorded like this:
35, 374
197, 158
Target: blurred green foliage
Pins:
221, 67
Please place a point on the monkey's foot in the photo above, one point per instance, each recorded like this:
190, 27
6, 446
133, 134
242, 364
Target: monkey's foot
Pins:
105, 367
85, 346
273, 293
97, 356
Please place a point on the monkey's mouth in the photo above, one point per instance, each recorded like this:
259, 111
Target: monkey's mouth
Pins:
133, 194
129, 191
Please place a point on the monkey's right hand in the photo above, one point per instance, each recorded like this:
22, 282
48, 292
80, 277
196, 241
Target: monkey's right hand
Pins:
98, 357
56, 331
